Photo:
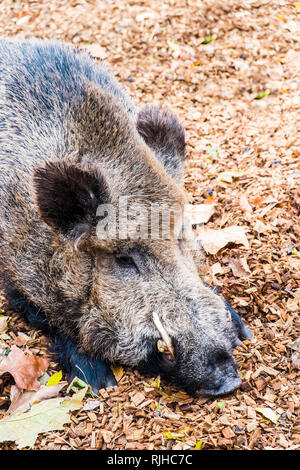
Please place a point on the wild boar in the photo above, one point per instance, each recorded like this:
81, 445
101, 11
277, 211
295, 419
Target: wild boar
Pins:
71, 142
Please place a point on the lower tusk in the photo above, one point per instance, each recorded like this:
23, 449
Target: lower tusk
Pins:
165, 344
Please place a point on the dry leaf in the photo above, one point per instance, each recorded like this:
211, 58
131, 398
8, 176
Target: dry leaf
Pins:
48, 415
22, 401
22, 339
260, 227
96, 51
25, 369
245, 206
268, 413
216, 269
229, 176
239, 267
118, 372
213, 240
201, 213
3, 324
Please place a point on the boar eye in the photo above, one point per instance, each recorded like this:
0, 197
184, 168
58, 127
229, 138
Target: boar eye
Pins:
125, 260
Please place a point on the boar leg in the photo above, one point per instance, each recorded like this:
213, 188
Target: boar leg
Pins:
95, 372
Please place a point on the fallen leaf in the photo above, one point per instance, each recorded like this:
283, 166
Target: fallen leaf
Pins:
245, 206
77, 385
22, 401
229, 176
48, 415
3, 324
260, 227
3, 351
239, 267
22, 339
25, 369
78, 397
91, 405
201, 213
97, 51
268, 413
261, 95
217, 269
118, 372
198, 445
213, 240
55, 378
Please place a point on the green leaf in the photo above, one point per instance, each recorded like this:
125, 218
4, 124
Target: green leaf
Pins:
168, 435
261, 95
221, 404
208, 40
76, 384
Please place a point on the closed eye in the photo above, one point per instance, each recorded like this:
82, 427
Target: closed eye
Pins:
125, 261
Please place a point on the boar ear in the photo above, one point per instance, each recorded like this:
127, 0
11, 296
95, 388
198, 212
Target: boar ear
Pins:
163, 133
68, 196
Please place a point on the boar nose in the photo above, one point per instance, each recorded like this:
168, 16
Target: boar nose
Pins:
229, 385
222, 376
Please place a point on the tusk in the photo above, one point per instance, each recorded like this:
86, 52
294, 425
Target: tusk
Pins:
162, 347
166, 343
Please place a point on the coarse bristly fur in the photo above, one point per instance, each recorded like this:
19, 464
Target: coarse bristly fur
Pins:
70, 140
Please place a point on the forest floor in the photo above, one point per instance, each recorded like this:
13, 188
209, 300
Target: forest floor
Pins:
231, 71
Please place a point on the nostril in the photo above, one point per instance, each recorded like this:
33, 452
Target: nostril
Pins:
220, 357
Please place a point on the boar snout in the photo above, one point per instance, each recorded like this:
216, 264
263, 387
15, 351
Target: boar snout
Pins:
217, 374
222, 376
